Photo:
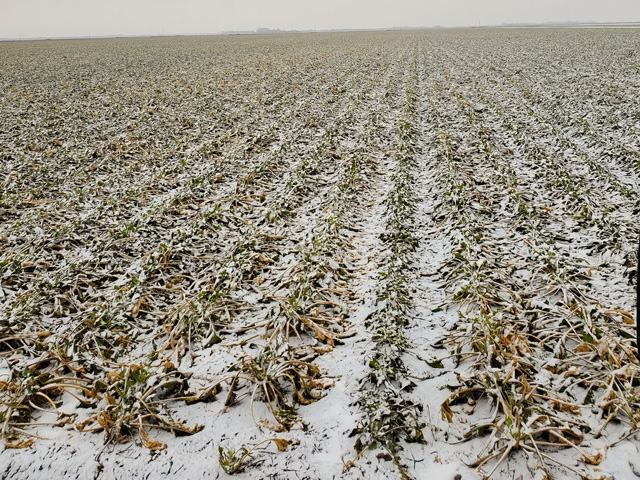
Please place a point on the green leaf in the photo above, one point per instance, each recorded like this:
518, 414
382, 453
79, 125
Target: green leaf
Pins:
435, 364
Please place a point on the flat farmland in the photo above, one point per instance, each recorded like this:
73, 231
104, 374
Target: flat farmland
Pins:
404, 254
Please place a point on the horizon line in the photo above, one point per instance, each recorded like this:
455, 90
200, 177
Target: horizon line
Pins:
278, 31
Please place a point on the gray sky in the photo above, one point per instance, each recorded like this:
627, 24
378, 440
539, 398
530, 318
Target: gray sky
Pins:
56, 18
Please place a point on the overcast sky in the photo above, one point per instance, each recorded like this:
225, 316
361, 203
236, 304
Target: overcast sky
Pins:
57, 18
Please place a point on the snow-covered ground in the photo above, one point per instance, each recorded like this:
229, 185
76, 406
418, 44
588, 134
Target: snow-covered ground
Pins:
364, 255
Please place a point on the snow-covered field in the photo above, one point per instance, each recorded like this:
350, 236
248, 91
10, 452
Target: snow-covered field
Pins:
362, 256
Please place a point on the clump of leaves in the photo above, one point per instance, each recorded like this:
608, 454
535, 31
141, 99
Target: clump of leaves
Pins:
30, 389
269, 373
199, 319
388, 419
22, 393
134, 399
231, 460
